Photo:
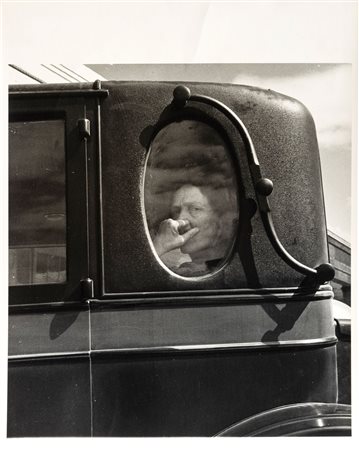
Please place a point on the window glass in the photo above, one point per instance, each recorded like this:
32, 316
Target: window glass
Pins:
37, 225
190, 195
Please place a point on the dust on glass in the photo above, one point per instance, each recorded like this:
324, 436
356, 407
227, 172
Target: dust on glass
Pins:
190, 195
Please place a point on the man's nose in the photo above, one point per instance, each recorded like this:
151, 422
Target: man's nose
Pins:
183, 215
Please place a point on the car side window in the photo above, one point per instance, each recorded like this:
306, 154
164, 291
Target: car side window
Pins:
37, 226
190, 196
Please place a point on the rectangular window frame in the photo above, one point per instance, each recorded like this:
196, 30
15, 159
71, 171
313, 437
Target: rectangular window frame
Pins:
71, 110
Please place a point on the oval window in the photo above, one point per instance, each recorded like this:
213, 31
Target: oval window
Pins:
190, 195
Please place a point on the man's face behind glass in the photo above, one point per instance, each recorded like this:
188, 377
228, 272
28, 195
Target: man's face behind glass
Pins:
191, 204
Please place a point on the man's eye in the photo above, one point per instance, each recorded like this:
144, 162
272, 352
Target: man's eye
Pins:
194, 209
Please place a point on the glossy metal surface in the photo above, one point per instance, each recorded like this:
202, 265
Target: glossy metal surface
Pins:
306, 419
147, 327
46, 332
200, 394
344, 371
49, 397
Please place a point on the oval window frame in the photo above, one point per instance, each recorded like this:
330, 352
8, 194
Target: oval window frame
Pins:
229, 148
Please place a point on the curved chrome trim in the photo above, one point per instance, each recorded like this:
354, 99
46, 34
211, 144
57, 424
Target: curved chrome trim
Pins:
197, 299
49, 307
316, 414
221, 347
237, 291
176, 298
58, 355
181, 349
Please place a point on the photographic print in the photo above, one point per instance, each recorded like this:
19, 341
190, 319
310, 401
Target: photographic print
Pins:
179, 251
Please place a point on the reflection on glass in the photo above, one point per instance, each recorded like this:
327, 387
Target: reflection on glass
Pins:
191, 198
37, 226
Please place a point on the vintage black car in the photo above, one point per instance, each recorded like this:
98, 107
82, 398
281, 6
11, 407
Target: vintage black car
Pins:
169, 269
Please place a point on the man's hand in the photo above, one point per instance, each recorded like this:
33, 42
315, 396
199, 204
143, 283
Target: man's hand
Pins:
172, 234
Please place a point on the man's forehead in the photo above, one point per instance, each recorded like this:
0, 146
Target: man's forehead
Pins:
188, 194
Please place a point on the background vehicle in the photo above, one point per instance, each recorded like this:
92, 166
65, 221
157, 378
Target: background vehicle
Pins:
105, 339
